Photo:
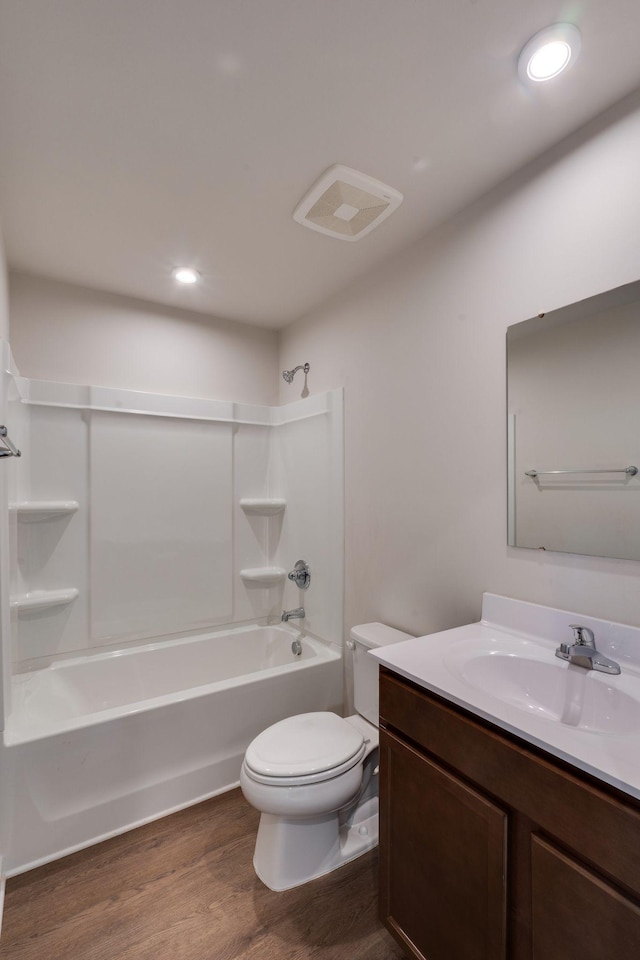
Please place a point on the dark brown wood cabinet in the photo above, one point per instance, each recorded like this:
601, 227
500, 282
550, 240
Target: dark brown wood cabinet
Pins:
493, 850
447, 854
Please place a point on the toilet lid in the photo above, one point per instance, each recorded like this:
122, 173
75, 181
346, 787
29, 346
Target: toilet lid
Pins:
307, 744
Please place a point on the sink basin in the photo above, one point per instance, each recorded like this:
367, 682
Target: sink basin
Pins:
504, 670
555, 691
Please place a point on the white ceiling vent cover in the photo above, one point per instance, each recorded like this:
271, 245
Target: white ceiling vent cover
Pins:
346, 204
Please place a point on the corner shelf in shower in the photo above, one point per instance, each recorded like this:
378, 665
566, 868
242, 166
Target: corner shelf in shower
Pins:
264, 575
263, 506
42, 599
29, 511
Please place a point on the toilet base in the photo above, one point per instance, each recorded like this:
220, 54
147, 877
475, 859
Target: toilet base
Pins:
291, 852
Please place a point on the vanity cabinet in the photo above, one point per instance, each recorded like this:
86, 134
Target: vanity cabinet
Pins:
491, 849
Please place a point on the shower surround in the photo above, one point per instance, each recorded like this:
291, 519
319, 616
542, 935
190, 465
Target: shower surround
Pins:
150, 539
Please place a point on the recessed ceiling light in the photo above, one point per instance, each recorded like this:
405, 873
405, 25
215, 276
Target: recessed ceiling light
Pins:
549, 53
186, 275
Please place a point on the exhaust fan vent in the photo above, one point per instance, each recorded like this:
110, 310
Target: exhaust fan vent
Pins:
346, 204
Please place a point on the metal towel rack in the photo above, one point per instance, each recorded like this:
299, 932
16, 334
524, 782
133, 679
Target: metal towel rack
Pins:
9, 449
629, 471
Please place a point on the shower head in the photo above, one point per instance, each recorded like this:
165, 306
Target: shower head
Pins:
288, 375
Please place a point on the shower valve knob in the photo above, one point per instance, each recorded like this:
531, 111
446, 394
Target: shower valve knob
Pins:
301, 575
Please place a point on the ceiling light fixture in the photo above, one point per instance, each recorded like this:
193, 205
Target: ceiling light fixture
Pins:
186, 275
550, 52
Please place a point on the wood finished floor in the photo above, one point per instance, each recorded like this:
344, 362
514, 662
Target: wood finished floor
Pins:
183, 888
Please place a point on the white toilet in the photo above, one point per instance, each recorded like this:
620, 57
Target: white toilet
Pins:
314, 779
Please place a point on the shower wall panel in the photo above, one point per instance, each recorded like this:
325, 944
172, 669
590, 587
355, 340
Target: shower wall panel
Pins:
5, 576
308, 460
161, 531
256, 536
52, 551
158, 539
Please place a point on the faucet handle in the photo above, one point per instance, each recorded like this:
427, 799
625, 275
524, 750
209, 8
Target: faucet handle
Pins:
301, 575
582, 636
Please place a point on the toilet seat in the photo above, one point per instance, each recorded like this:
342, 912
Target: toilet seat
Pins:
307, 748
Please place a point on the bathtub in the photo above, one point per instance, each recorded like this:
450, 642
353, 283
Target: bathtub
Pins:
97, 745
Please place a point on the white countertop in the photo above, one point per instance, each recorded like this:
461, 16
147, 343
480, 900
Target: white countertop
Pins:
558, 711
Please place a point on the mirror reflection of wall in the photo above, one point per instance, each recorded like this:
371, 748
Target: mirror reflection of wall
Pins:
573, 379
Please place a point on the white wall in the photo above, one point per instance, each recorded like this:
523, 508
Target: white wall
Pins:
76, 335
420, 350
4, 524
5, 477
4, 562
4, 295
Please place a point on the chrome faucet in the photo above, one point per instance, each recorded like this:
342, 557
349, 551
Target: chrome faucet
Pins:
297, 614
301, 575
583, 653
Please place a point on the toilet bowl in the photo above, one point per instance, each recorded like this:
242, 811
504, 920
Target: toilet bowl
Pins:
314, 778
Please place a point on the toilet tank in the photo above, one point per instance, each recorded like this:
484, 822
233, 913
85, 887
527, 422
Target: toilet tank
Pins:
365, 668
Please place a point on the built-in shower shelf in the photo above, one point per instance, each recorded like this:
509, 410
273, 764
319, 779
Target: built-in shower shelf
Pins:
265, 506
32, 510
264, 575
42, 599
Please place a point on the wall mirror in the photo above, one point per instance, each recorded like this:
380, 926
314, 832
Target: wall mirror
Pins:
573, 403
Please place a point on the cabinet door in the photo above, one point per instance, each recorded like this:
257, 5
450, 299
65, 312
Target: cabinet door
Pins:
442, 859
577, 914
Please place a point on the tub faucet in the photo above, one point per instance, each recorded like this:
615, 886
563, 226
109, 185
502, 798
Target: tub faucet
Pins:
297, 614
583, 652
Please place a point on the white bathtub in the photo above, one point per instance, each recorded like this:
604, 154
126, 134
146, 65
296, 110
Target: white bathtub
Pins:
99, 744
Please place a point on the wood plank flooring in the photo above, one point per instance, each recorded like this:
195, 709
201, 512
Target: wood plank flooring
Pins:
183, 888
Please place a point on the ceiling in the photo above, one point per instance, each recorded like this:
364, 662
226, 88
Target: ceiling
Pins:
136, 135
